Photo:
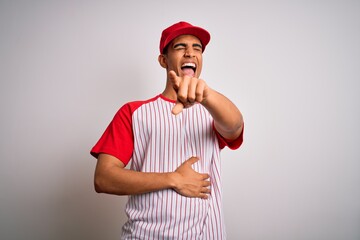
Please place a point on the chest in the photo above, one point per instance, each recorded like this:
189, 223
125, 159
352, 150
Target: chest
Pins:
165, 140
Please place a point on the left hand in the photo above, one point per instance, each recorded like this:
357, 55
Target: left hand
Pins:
189, 91
190, 183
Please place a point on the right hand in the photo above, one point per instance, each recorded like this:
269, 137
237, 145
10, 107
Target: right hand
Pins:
190, 183
188, 89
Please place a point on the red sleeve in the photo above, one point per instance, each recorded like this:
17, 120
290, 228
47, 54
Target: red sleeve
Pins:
232, 144
117, 140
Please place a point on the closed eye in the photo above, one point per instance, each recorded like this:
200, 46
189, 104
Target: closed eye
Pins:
197, 47
180, 46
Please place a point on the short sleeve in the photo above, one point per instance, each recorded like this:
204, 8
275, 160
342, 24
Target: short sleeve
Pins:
232, 144
117, 140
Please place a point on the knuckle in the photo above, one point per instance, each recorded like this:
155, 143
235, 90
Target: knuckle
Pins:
191, 98
182, 97
198, 94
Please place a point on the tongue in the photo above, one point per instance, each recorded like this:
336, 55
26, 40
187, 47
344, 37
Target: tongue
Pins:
188, 71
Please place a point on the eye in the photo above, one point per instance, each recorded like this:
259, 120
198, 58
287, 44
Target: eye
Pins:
179, 46
197, 47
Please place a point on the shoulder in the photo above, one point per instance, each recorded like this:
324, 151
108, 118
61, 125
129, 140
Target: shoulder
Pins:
130, 107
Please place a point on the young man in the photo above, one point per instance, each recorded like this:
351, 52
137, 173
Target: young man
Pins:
173, 141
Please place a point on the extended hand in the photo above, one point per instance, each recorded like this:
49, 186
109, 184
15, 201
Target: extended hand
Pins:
189, 90
190, 183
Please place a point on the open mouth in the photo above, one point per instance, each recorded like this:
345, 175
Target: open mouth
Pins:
189, 69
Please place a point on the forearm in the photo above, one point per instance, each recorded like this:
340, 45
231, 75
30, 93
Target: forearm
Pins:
227, 117
115, 179
111, 177
128, 182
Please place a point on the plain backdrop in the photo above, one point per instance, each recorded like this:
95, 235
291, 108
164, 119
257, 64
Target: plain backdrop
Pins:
292, 67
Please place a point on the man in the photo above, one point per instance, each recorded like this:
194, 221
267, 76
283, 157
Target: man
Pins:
173, 141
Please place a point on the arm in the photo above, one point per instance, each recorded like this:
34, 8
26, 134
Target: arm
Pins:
111, 177
227, 118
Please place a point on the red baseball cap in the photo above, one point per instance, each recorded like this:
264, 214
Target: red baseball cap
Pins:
183, 28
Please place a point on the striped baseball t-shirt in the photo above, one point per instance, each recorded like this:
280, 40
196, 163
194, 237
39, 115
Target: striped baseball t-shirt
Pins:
155, 140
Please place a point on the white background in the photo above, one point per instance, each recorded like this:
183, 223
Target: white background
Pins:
292, 67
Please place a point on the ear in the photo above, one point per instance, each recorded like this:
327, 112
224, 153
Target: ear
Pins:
162, 60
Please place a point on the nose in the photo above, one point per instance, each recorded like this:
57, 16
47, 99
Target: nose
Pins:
189, 52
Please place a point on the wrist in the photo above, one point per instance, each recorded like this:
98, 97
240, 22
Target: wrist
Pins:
174, 180
171, 179
207, 96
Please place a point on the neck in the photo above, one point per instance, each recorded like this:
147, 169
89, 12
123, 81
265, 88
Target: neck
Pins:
169, 92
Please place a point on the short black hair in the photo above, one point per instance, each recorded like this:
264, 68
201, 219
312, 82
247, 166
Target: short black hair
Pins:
165, 50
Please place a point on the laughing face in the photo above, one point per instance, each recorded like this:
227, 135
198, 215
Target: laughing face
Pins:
184, 56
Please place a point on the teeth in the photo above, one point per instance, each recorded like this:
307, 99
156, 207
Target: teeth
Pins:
189, 65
